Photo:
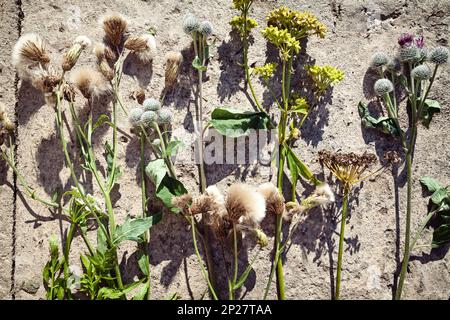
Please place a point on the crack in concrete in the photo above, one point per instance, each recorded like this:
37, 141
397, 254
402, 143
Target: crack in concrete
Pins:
20, 17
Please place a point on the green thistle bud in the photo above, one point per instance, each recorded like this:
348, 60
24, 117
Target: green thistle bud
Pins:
409, 54
383, 86
190, 23
439, 55
151, 104
148, 118
421, 72
206, 28
164, 116
134, 116
379, 60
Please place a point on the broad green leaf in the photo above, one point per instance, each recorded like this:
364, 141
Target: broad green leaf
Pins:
234, 123
431, 184
172, 147
430, 107
293, 168
142, 262
439, 196
131, 229
382, 124
142, 292
441, 236
197, 64
166, 186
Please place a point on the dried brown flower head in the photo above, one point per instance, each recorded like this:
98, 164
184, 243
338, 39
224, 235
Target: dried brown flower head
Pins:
68, 92
46, 79
274, 200
138, 95
91, 83
244, 205
114, 26
392, 157
183, 203
100, 51
347, 167
174, 60
144, 46
70, 58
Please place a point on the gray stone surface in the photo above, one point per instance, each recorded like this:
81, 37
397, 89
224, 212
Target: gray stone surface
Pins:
356, 30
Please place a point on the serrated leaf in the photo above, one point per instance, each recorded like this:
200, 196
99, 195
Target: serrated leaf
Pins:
234, 123
131, 229
382, 124
431, 184
101, 241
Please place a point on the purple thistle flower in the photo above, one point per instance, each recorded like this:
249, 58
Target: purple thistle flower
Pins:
406, 39
420, 42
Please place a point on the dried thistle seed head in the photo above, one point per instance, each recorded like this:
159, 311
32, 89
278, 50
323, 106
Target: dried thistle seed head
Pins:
392, 157
382, 87
164, 116
29, 52
148, 118
347, 167
174, 60
70, 58
99, 51
190, 23
138, 95
205, 205
105, 69
409, 54
91, 83
421, 72
274, 200
134, 116
323, 194
46, 79
2, 111
151, 104
215, 194
144, 46
156, 142
244, 205
50, 98
114, 26
205, 28
379, 60
68, 92
9, 125
183, 203
439, 55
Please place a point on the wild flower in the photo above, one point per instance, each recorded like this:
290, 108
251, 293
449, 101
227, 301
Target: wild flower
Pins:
242, 26
379, 59
421, 72
266, 71
29, 53
383, 87
324, 76
151, 104
115, 26
190, 24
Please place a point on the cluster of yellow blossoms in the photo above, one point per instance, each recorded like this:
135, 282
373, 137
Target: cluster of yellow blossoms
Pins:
324, 76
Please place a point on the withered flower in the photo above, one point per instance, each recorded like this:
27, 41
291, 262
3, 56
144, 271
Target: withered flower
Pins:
29, 52
91, 83
70, 58
144, 46
174, 60
114, 26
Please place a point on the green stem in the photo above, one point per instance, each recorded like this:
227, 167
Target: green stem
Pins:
422, 228
236, 262
341, 242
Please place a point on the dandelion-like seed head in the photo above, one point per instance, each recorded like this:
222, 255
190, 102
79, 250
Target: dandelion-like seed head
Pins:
134, 116
144, 46
421, 72
190, 24
164, 116
244, 205
379, 59
28, 53
205, 28
439, 55
148, 118
383, 86
91, 83
151, 104
44, 79
274, 200
114, 26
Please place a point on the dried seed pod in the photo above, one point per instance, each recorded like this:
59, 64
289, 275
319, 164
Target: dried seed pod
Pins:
70, 58
173, 65
114, 26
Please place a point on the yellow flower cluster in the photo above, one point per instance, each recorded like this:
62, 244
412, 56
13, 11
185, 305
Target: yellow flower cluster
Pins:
283, 40
299, 105
324, 76
266, 71
241, 4
299, 24
237, 23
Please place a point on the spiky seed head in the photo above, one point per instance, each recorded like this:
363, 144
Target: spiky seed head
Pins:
383, 86
105, 69
151, 104
164, 116
148, 118
409, 54
379, 60
421, 72
144, 46
439, 55
190, 23
28, 53
134, 116
205, 28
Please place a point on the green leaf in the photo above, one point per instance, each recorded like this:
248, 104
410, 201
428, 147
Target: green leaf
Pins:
293, 168
142, 262
431, 184
439, 196
109, 293
100, 121
166, 187
382, 124
131, 229
101, 241
197, 64
172, 147
142, 292
430, 107
302, 168
441, 236
234, 123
